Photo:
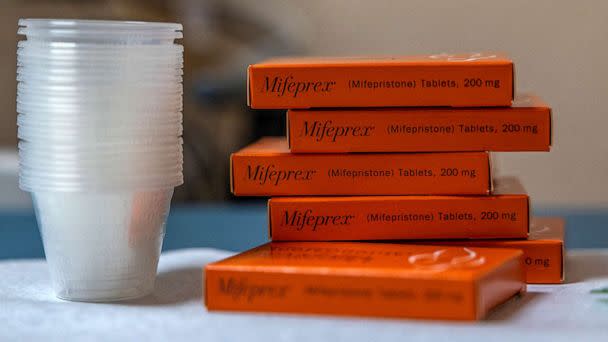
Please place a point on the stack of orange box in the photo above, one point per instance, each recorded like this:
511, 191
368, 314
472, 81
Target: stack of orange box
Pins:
383, 201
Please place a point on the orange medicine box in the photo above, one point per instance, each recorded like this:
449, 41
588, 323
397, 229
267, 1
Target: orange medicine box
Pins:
526, 126
267, 168
461, 80
504, 214
543, 251
365, 279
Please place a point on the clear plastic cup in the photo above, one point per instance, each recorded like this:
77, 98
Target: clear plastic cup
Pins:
83, 169
152, 163
95, 179
103, 179
92, 66
114, 162
30, 95
92, 36
44, 89
49, 121
130, 95
123, 172
128, 176
96, 134
107, 160
56, 94
96, 80
110, 54
29, 58
100, 52
119, 102
129, 85
150, 159
162, 157
86, 79
100, 113
99, 180
92, 170
102, 246
30, 185
168, 75
159, 155
27, 63
96, 185
100, 148
83, 32
137, 146
94, 149
41, 23
109, 131
88, 65
75, 48
142, 167
109, 174
142, 118
129, 101
158, 120
79, 170
126, 146
99, 31
75, 110
95, 46
100, 109
95, 140
110, 182
148, 75
32, 158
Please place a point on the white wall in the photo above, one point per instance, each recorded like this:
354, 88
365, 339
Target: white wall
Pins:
560, 49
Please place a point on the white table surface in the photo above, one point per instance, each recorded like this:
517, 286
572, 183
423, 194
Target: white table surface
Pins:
29, 311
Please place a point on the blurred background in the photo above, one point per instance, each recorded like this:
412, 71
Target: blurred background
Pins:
560, 50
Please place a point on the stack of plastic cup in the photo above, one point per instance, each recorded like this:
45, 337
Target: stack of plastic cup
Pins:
99, 121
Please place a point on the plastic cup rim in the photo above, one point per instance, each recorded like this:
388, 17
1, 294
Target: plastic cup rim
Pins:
51, 22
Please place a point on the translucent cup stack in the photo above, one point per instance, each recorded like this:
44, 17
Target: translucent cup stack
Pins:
99, 121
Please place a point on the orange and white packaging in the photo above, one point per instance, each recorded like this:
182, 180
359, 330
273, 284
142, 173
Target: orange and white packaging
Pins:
456, 80
267, 168
543, 250
502, 215
366, 279
526, 126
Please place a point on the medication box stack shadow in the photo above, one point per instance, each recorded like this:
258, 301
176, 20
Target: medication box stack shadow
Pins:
382, 197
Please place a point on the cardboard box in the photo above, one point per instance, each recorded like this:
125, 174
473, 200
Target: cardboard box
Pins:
462, 80
524, 127
267, 168
504, 214
365, 279
543, 251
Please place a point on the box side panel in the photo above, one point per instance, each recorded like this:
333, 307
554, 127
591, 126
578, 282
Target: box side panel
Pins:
420, 130
500, 284
361, 174
399, 218
380, 85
